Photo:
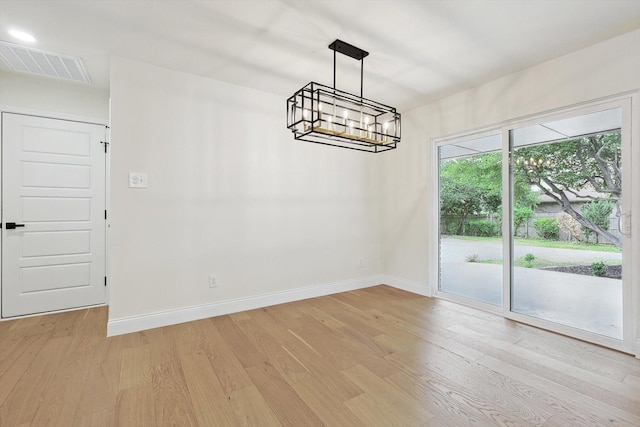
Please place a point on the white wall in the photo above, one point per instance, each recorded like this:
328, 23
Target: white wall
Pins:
19, 92
230, 193
599, 71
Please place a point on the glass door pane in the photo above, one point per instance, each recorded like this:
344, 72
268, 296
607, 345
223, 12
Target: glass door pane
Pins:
566, 201
470, 199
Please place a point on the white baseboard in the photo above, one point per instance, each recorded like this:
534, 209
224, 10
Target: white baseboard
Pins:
142, 322
408, 285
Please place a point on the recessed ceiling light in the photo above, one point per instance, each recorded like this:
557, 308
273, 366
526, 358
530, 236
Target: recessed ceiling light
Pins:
22, 36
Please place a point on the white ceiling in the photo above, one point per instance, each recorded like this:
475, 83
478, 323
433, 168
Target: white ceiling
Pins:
420, 50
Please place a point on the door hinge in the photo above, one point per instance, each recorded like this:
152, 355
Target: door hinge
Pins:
105, 214
106, 144
105, 280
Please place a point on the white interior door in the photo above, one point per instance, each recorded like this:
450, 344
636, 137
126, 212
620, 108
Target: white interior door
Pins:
53, 214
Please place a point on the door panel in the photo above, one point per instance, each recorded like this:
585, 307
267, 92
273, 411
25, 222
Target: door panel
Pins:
56, 209
43, 278
47, 175
470, 185
53, 183
575, 278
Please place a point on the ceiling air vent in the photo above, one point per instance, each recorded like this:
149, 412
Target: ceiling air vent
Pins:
32, 61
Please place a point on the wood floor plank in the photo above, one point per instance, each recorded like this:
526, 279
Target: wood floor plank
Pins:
324, 341
289, 368
230, 372
474, 392
559, 370
173, 404
372, 413
569, 401
251, 409
389, 399
98, 401
27, 396
236, 340
581, 420
437, 403
325, 372
210, 404
278, 330
65, 389
135, 368
14, 364
322, 316
135, 403
632, 380
594, 363
325, 404
375, 356
283, 400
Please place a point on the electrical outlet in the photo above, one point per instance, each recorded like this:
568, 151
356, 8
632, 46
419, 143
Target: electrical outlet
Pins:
212, 281
361, 262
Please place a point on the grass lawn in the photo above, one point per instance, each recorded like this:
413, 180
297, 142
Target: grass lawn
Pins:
539, 262
544, 243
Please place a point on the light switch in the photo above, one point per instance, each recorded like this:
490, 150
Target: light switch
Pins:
137, 180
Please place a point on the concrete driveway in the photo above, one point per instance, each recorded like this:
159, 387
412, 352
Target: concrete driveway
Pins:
586, 302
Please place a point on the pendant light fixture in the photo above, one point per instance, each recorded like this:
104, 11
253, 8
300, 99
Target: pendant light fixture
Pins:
324, 115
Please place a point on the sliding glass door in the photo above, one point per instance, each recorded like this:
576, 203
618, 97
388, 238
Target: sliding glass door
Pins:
568, 248
534, 222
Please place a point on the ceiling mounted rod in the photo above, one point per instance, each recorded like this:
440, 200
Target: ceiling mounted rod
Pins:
352, 51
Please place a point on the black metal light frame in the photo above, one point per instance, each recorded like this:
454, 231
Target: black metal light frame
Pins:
324, 115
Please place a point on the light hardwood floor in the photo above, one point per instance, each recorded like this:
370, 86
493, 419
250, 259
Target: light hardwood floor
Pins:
372, 357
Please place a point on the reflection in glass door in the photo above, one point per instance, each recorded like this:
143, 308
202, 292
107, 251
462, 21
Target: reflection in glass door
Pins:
567, 247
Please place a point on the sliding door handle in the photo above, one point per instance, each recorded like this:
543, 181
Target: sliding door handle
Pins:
624, 224
12, 225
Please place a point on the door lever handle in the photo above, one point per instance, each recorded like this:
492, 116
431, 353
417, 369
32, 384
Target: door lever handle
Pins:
12, 225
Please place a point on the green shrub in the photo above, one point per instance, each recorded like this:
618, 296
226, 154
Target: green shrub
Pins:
547, 228
473, 258
521, 214
451, 228
480, 227
598, 212
599, 268
529, 257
